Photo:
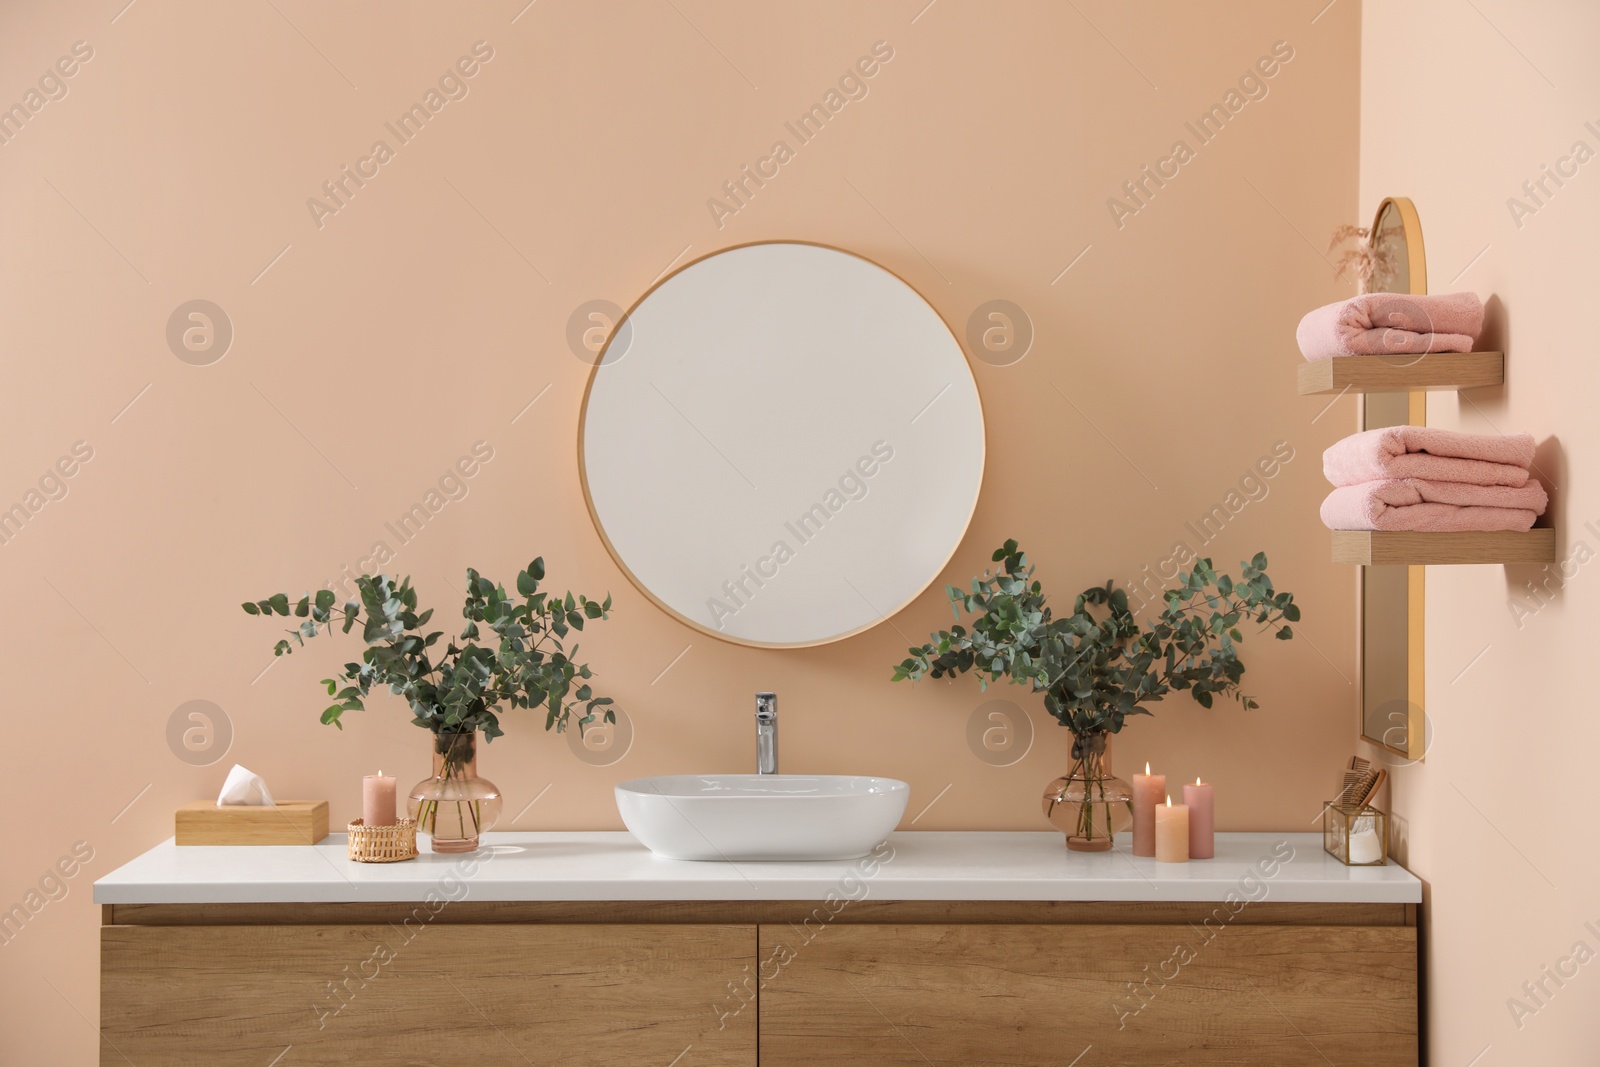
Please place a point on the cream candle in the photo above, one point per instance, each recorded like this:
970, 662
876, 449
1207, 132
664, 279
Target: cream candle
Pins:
1148, 789
377, 800
1172, 833
1202, 819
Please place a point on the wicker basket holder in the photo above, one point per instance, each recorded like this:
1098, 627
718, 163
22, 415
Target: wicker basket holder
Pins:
383, 844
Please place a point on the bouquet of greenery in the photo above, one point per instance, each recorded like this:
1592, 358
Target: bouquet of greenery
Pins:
1096, 671
1100, 664
522, 661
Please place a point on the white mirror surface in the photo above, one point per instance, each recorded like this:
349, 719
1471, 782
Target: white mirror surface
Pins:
783, 444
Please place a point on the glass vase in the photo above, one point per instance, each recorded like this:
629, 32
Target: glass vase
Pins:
1089, 804
454, 806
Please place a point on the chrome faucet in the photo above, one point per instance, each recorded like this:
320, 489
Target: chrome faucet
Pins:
766, 733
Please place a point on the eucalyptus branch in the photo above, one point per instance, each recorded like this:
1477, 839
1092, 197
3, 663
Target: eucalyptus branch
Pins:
1100, 664
525, 665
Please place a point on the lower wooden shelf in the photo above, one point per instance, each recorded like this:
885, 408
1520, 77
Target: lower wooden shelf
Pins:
1407, 548
1402, 374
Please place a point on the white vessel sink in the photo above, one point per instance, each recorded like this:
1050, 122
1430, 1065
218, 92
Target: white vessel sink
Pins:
733, 817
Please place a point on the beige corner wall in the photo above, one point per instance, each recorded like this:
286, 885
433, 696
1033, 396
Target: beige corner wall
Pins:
1459, 108
371, 351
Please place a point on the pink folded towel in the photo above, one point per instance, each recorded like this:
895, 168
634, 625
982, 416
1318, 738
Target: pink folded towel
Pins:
1377, 324
1418, 504
1429, 453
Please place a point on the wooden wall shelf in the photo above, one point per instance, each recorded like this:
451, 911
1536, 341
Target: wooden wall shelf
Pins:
1407, 548
1402, 374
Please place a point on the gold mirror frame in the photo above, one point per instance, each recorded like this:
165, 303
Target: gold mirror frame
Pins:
1391, 599
640, 585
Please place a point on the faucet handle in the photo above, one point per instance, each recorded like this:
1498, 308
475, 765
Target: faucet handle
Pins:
766, 706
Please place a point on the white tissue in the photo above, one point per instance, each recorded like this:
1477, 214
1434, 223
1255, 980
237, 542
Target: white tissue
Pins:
1364, 845
244, 787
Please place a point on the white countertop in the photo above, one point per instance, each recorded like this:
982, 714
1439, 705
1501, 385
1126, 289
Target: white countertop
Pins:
599, 866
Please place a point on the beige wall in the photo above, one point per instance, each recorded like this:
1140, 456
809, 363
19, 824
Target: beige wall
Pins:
428, 312
1459, 108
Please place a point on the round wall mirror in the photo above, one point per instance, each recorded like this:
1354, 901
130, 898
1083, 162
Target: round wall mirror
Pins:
781, 444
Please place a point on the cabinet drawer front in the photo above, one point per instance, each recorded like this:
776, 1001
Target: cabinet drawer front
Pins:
1041, 995
424, 993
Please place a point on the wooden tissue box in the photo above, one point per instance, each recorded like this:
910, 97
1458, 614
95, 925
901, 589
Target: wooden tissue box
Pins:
291, 822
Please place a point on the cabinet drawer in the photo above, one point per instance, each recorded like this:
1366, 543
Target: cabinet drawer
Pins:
1041, 995
424, 993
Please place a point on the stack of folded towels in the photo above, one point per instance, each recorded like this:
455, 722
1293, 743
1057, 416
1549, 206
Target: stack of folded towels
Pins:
1380, 324
1422, 478
1417, 477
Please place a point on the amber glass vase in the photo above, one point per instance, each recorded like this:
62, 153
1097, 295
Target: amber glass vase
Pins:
1089, 804
454, 806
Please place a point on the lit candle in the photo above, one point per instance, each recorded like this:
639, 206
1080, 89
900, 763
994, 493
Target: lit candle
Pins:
1148, 789
377, 800
1202, 820
1172, 833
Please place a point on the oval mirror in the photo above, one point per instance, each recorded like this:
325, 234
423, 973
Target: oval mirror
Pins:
1397, 246
781, 444
1392, 605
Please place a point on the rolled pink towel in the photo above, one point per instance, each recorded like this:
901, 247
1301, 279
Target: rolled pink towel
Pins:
1418, 504
1379, 324
1429, 453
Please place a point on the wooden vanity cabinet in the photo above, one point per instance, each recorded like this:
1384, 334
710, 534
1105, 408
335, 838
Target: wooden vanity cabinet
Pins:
783, 984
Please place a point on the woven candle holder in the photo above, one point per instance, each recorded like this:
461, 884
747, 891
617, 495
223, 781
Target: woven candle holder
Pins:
383, 844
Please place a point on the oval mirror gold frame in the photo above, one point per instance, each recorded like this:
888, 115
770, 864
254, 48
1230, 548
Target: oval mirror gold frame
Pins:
821, 372
1391, 599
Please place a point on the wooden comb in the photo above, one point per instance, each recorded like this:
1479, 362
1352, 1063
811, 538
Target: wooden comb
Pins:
1359, 783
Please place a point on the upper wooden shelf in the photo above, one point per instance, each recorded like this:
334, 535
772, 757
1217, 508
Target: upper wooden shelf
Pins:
1407, 548
1402, 374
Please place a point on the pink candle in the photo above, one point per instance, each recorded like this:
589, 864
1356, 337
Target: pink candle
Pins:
377, 800
1148, 789
1202, 820
1172, 833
